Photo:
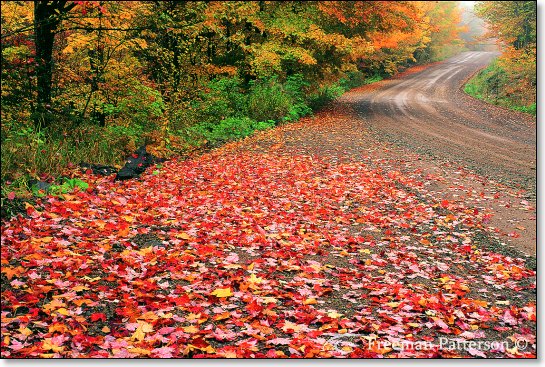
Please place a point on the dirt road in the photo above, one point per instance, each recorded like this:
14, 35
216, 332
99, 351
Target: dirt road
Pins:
428, 111
422, 123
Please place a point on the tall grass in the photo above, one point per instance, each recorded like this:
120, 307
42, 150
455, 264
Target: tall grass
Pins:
495, 85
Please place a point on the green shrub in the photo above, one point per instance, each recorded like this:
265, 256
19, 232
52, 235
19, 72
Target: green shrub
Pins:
297, 111
125, 138
142, 105
224, 97
229, 129
267, 100
326, 94
532, 109
354, 79
296, 87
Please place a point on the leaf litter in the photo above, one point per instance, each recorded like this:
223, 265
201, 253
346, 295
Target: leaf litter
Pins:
241, 253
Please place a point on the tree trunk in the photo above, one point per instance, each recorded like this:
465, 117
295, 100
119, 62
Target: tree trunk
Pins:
47, 17
44, 36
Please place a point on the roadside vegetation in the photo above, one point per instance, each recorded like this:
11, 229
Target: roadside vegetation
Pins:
511, 80
492, 85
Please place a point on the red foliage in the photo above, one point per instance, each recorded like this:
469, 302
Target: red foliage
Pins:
255, 255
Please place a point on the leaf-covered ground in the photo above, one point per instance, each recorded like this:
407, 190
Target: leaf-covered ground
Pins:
239, 253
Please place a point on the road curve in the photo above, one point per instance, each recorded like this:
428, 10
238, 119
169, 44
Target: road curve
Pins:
428, 111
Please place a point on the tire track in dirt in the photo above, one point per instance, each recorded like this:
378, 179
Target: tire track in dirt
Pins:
428, 110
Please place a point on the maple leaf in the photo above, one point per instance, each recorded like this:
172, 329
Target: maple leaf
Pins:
183, 236
10, 271
290, 327
310, 301
98, 316
334, 314
222, 292
191, 329
509, 319
63, 311
254, 279
440, 323
141, 330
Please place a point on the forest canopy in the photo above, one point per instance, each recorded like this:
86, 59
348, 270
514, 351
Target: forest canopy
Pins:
92, 80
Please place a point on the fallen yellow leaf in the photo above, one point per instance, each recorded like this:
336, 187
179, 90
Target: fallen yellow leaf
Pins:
222, 292
191, 329
147, 328
80, 288
183, 236
63, 311
149, 316
334, 315
139, 333
25, 331
255, 280
47, 345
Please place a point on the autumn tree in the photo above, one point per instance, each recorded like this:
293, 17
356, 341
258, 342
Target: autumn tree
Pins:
514, 25
444, 19
47, 18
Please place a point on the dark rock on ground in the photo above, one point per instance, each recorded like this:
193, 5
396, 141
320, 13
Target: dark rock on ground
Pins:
137, 164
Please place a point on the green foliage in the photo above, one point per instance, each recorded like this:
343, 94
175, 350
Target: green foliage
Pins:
473, 90
126, 138
354, 79
326, 94
493, 84
297, 111
66, 187
296, 86
513, 24
333, 91
229, 129
224, 97
531, 109
267, 100
141, 106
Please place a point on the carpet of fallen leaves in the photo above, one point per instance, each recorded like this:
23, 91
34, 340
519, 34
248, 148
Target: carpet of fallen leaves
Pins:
245, 254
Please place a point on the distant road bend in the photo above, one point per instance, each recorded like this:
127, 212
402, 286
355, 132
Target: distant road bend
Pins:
428, 110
